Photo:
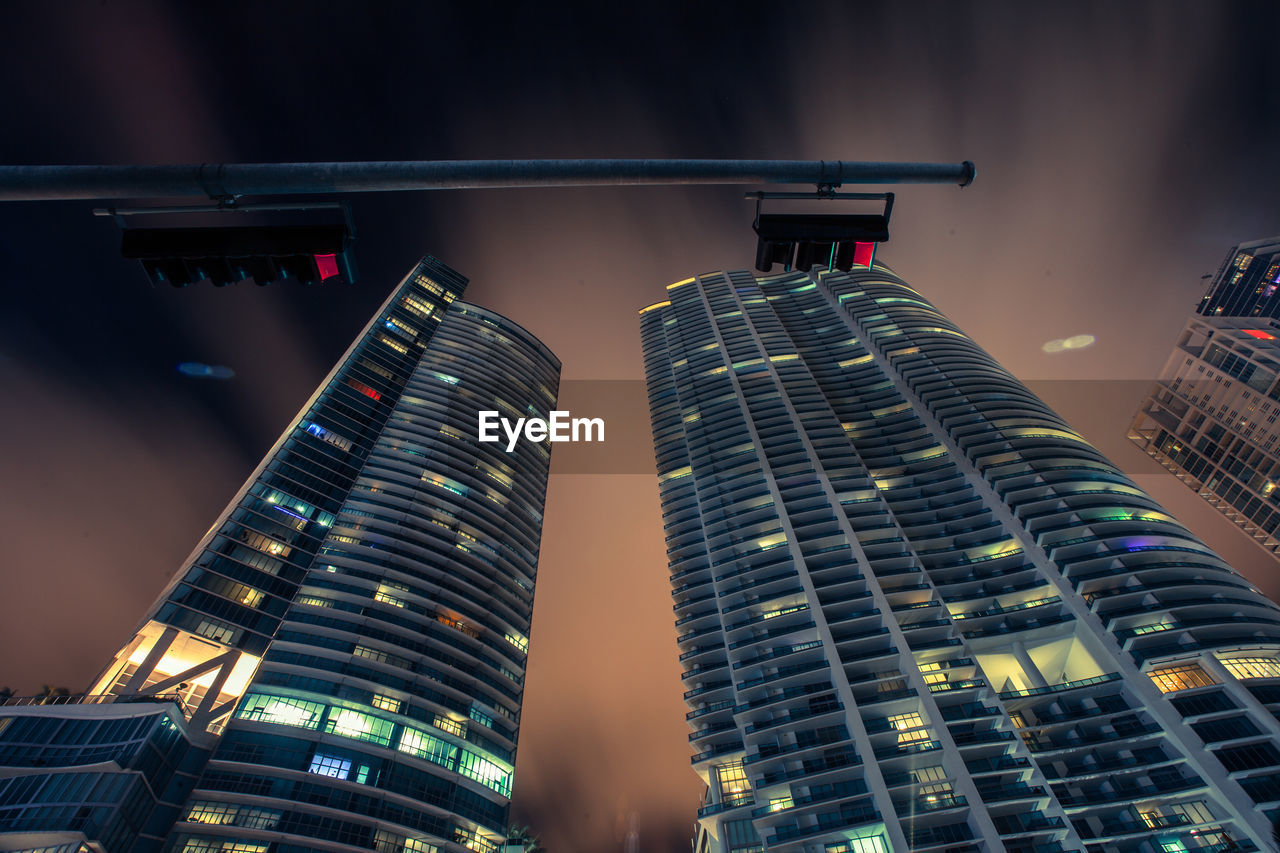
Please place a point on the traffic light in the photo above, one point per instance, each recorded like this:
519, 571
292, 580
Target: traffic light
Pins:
801, 240
309, 252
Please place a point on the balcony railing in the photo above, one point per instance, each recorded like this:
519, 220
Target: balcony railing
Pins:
1064, 686
95, 699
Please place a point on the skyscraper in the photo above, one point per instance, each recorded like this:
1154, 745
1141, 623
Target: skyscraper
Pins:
346, 646
1211, 416
918, 612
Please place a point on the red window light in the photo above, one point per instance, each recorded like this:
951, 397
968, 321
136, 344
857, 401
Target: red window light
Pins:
364, 389
327, 266
1259, 334
863, 253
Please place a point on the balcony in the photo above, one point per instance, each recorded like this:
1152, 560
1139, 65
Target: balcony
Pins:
712, 730
832, 760
906, 749
1063, 687
718, 749
855, 815
707, 688
768, 751
723, 806
781, 651
1007, 793
1029, 625
794, 716
1021, 824
784, 672
932, 803
779, 631
1125, 793
789, 693
843, 790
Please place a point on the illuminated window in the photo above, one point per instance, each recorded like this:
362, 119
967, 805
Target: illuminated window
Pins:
674, 474
732, 782
457, 625
935, 792
196, 844
386, 703
281, 710
215, 813
390, 842
418, 307
1181, 677
385, 594
246, 595
485, 772
364, 389
428, 285
394, 344
933, 673
1166, 623
924, 775
910, 727
782, 611
777, 804
230, 814
330, 765
472, 840
353, 724
418, 743
264, 543
874, 844
449, 725
1252, 667
902, 722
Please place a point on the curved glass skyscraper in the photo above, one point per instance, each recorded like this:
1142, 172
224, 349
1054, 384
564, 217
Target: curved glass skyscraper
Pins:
917, 611
349, 639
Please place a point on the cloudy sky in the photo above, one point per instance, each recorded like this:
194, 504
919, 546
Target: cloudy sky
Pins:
1122, 149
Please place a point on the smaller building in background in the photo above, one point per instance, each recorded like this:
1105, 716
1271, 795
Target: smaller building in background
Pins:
1211, 417
90, 774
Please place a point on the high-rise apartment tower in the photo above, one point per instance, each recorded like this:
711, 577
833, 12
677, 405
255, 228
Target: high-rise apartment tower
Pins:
339, 664
917, 611
1211, 416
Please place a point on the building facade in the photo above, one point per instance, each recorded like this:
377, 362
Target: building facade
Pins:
918, 612
347, 644
1210, 418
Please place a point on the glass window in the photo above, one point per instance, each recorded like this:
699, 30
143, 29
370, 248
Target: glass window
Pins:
1252, 667
449, 725
330, 765
386, 703
485, 772
353, 724
1182, 677
433, 749
929, 774
281, 710
733, 785
910, 727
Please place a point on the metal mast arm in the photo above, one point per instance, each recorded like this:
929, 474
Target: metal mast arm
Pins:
231, 180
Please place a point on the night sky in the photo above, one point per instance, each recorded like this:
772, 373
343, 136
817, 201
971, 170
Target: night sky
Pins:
1122, 149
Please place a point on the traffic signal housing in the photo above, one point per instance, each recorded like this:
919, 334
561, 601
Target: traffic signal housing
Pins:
306, 252
801, 240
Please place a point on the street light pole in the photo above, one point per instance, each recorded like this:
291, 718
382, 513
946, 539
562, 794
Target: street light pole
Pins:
229, 181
